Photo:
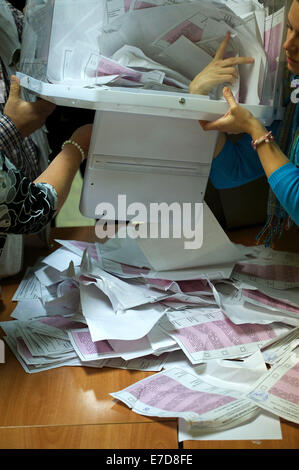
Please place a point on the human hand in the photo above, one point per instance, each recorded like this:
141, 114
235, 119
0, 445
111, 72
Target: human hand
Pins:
82, 136
219, 71
237, 120
26, 116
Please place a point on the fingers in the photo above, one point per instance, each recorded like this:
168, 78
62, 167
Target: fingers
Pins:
237, 61
220, 123
226, 72
227, 93
222, 48
41, 106
15, 88
230, 71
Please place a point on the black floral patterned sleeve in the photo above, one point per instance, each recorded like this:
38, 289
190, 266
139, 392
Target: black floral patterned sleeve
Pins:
18, 17
25, 207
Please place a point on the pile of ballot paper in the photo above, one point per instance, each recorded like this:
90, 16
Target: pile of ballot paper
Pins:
224, 343
164, 44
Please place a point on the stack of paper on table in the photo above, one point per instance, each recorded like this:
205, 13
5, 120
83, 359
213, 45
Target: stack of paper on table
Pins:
209, 337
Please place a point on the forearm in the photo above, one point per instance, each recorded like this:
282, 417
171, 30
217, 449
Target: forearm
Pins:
270, 155
61, 172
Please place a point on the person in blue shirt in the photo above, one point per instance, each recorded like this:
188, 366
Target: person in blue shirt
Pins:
257, 153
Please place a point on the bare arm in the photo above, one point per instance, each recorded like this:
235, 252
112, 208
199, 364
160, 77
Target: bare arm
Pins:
62, 170
270, 155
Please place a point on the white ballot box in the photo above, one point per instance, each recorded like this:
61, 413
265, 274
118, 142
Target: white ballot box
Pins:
132, 61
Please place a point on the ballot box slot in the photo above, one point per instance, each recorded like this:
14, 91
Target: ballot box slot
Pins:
149, 165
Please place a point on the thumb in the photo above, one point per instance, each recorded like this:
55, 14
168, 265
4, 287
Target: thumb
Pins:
228, 95
203, 123
15, 88
213, 125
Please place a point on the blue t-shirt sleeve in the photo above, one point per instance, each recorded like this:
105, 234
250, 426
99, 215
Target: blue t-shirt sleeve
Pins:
237, 164
285, 185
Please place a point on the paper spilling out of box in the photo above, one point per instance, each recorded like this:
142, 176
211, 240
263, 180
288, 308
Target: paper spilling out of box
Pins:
209, 246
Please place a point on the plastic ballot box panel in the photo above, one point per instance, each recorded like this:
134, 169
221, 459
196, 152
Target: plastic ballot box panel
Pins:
147, 160
132, 56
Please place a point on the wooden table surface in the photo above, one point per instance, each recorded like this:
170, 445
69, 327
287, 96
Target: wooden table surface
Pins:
70, 407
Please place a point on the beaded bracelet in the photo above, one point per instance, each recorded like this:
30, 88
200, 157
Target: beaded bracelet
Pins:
266, 138
76, 145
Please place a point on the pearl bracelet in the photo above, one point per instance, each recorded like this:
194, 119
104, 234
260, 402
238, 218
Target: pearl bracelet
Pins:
76, 145
268, 138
